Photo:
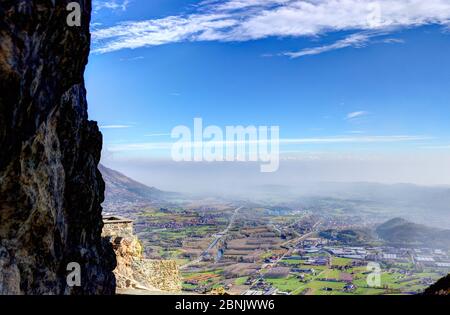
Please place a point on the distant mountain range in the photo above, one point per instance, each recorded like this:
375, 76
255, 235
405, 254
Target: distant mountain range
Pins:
402, 232
423, 204
122, 189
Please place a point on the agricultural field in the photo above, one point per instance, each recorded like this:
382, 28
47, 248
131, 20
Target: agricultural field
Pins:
240, 251
328, 281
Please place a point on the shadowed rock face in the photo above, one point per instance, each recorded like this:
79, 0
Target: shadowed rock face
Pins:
442, 287
50, 187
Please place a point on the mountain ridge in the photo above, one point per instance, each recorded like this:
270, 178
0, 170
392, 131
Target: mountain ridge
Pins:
121, 188
399, 231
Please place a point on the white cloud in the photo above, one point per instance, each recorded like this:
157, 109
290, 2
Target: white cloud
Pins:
393, 41
158, 135
133, 58
239, 20
144, 146
358, 40
98, 5
354, 115
356, 132
115, 126
367, 139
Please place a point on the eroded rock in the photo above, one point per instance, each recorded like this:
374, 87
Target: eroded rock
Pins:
50, 187
133, 270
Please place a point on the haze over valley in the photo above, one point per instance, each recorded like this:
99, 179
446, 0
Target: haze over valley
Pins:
296, 240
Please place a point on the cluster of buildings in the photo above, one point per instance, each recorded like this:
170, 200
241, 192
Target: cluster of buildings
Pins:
421, 257
176, 225
261, 287
179, 225
431, 258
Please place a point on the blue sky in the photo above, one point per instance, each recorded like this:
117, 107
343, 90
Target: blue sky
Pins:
374, 73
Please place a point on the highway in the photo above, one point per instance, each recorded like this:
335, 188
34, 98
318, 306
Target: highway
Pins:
217, 238
288, 252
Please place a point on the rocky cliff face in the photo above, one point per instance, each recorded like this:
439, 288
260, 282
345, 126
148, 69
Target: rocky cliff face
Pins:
133, 271
442, 287
50, 187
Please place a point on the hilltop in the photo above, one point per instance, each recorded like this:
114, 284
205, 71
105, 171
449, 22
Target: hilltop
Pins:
399, 231
120, 188
348, 236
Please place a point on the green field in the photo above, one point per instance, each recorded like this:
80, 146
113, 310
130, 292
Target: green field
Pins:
337, 261
240, 281
292, 261
288, 284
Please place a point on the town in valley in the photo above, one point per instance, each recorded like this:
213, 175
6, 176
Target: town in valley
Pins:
316, 246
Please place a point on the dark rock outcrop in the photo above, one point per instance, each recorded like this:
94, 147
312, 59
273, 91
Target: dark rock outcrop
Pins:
134, 272
50, 187
442, 287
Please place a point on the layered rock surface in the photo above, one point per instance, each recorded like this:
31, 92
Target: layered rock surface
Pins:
133, 271
50, 187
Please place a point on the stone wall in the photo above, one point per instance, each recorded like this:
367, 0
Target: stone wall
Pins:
133, 271
160, 274
116, 226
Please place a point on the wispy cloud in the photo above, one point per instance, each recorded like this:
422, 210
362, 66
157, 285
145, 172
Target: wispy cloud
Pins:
356, 40
362, 139
115, 126
239, 20
144, 146
356, 132
98, 5
158, 135
354, 115
133, 58
393, 41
